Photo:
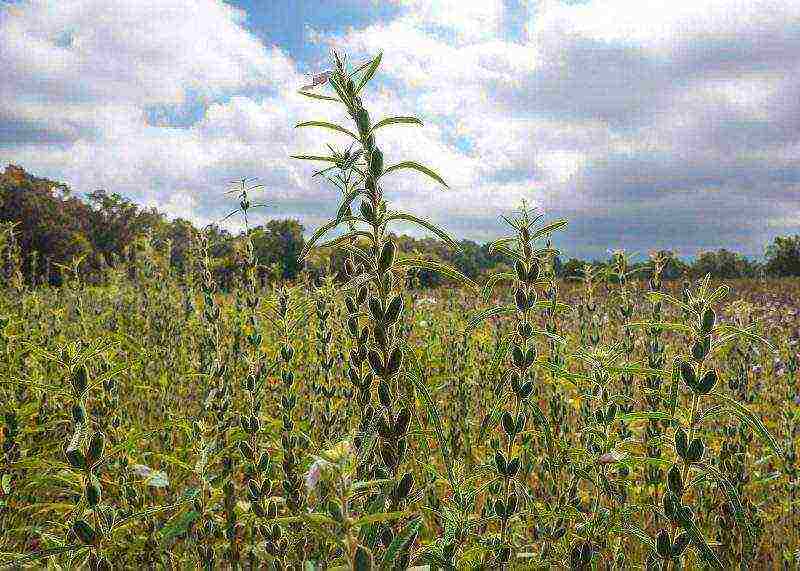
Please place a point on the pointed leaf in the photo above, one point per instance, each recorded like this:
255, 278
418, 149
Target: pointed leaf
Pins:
395, 121
418, 167
424, 224
326, 125
371, 69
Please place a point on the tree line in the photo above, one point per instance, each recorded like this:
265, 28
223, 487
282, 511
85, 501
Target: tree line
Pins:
51, 231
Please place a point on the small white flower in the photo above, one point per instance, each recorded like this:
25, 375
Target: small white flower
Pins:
152, 478
609, 458
314, 474
317, 80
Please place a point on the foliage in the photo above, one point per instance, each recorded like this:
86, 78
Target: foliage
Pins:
617, 420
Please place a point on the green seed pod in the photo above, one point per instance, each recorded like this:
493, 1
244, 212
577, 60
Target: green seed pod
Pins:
362, 120
518, 356
376, 362
500, 508
401, 450
701, 348
75, 458
668, 502
675, 479
402, 422
79, 413
504, 554
85, 532
575, 557
611, 413
586, 553
664, 544
695, 452
93, 492
533, 272
525, 330
96, 446
520, 424
263, 462
404, 487
395, 361
363, 292
513, 467
508, 424
367, 211
500, 462
530, 356
381, 335
388, 456
376, 309
521, 299
688, 374
386, 258
384, 430
384, 394
335, 510
708, 320
522, 271
246, 449
352, 326
394, 310
511, 507
387, 281
79, 379
376, 163
254, 491
681, 442
707, 382
287, 352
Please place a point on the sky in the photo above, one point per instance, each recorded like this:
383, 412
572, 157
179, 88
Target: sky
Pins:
648, 124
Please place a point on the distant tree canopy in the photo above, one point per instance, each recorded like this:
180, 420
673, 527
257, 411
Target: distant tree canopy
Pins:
783, 256
52, 228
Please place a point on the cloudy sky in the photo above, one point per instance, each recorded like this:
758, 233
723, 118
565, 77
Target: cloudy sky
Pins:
647, 123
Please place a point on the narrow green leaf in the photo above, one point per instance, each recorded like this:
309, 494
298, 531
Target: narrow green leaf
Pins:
549, 228
493, 281
395, 121
400, 542
326, 125
746, 415
443, 269
371, 69
314, 158
482, 316
321, 231
424, 224
418, 167
318, 96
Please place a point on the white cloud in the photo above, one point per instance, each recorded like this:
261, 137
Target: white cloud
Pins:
616, 113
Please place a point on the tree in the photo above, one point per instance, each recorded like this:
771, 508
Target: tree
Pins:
279, 241
723, 264
783, 256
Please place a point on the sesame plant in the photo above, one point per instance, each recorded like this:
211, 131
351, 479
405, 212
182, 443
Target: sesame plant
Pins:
372, 270
212, 418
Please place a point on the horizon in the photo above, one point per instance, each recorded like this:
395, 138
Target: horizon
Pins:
646, 126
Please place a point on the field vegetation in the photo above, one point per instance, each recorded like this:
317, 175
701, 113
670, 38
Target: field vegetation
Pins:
177, 416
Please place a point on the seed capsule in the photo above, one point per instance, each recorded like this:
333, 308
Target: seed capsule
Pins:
675, 479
